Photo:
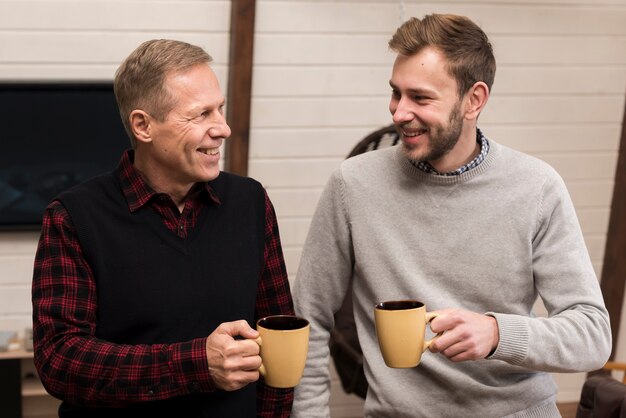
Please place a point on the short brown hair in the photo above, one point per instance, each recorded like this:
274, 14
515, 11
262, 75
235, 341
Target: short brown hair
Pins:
140, 79
464, 44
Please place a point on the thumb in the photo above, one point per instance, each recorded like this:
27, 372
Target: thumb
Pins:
238, 329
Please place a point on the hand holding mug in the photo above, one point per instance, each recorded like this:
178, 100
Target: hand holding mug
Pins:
468, 335
233, 363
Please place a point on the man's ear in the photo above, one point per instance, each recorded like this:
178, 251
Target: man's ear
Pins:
140, 125
476, 100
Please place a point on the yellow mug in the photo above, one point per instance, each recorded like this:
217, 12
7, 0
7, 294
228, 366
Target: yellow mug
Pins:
284, 343
401, 330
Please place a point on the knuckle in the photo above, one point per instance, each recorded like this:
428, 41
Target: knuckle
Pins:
257, 361
457, 316
230, 366
465, 334
231, 349
241, 324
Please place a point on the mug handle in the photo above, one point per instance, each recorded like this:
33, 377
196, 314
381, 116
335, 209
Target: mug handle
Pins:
429, 317
259, 341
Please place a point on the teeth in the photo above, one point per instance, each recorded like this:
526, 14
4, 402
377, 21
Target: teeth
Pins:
415, 133
210, 151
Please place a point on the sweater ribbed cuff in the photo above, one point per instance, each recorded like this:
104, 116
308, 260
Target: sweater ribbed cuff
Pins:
514, 336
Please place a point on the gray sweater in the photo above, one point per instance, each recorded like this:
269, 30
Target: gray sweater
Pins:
491, 240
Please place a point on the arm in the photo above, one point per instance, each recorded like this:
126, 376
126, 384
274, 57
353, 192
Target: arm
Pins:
76, 366
321, 283
274, 298
576, 335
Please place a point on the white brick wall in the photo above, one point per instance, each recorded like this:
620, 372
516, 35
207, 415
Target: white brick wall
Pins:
321, 83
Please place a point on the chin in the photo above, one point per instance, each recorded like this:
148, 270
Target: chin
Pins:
212, 175
413, 153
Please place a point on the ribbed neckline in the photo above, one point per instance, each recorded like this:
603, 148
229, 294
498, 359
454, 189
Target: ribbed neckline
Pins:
416, 174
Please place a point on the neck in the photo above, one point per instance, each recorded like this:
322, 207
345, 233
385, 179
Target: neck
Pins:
465, 150
161, 183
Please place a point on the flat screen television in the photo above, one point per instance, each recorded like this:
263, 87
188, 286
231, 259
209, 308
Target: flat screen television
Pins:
54, 136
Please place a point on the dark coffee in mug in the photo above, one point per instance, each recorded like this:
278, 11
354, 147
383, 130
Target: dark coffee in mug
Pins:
283, 322
398, 305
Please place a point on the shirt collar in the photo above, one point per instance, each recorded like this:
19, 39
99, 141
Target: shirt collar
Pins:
484, 150
138, 192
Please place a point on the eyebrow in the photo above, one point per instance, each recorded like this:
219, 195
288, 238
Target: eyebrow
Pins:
203, 107
415, 91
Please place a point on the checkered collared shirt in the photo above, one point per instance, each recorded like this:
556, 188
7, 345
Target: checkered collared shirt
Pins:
484, 149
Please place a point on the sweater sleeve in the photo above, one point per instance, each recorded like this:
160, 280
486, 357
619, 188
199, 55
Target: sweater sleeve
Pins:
576, 334
319, 289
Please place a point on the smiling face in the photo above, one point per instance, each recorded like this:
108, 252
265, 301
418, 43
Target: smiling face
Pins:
184, 148
428, 112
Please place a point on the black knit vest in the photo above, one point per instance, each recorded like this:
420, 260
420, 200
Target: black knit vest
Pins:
154, 287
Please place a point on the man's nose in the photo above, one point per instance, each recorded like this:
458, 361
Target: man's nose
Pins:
401, 112
220, 128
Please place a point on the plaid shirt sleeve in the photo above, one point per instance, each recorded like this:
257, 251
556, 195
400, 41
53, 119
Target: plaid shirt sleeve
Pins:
76, 366
274, 298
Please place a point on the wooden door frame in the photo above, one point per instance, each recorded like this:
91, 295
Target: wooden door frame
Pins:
240, 85
614, 267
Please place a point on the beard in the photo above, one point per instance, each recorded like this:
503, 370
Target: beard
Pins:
442, 139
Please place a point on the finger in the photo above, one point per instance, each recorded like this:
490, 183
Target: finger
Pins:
240, 363
464, 350
253, 375
445, 341
240, 379
239, 328
454, 350
466, 354
251, 363
250, 376
446, 319
459, 357
249, 348
236, 349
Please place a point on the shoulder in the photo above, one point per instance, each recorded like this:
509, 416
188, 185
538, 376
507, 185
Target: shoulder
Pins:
379, 156
528, 175
521, 164
89, 189
372, 163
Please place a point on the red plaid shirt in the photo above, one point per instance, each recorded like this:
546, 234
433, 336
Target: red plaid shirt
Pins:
65, 305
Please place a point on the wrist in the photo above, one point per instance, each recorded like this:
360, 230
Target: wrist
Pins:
495, 334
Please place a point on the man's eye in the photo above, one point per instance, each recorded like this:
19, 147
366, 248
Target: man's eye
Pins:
395, 94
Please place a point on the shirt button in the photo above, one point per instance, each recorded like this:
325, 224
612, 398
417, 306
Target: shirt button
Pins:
150, 393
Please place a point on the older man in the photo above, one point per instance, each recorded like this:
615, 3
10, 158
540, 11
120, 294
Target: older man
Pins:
148, 279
